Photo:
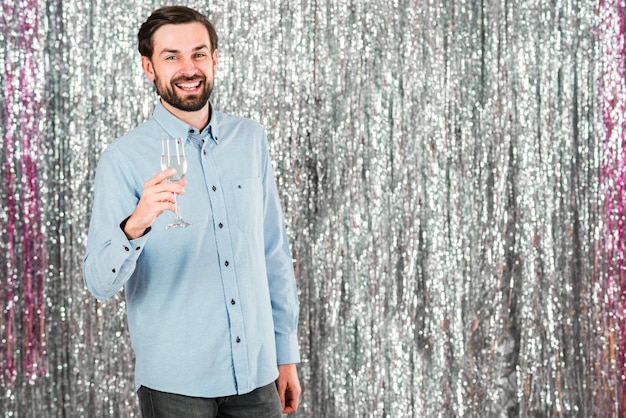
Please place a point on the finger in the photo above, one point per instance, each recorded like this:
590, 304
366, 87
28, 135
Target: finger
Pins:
280, 388
291, 403
167, 188
157, 190
281, 395
165, 196
181, 186
160, 176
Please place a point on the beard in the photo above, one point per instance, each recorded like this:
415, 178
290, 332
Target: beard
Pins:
190, 103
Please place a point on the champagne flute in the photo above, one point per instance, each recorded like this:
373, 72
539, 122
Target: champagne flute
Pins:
173, 156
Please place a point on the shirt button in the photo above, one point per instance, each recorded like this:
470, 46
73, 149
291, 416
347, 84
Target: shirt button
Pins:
232, 301
226, 263
126, 248
214, 188
204, 152
113, 270
221, 225
238, 340
138, 248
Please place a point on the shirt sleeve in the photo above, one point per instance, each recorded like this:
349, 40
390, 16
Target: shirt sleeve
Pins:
110, 258
281, 277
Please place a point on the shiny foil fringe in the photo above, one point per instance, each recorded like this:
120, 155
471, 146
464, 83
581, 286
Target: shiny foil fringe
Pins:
452, 174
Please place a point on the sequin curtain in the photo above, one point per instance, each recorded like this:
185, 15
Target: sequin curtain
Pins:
453, 178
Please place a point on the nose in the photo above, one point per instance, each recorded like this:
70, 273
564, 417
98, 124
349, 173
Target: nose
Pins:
188, 67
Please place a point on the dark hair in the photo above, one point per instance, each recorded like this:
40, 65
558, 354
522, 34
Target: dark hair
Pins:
171, 15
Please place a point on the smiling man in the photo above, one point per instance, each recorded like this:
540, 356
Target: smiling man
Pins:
212, 308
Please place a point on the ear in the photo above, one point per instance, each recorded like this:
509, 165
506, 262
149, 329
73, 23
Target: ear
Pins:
215, 60
148, 68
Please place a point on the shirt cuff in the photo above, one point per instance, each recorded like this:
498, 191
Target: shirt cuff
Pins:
132, 248
287, 349
123, 225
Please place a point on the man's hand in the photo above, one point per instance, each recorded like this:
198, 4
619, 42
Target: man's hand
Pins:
156, 198
288, 387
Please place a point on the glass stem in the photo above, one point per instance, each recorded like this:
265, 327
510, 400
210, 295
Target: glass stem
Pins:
176, 208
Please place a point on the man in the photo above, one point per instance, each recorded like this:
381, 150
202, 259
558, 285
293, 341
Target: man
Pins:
212, 308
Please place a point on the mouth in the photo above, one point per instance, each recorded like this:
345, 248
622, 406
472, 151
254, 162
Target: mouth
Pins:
189, 86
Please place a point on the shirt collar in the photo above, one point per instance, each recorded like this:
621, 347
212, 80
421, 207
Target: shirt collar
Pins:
176, 128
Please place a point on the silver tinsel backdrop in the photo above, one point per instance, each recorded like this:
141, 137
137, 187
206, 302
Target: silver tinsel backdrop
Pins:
453, 178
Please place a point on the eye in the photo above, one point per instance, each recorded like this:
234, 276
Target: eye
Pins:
170, 58
200, 55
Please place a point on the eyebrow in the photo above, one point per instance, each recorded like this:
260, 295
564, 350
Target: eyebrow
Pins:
176, 51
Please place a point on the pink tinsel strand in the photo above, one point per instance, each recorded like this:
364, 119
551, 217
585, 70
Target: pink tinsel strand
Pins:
621, 285
8, 287
23, 292
8, 354
613, 177
33, 265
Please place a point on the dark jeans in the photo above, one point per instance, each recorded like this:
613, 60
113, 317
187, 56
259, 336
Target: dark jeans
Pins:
260, 403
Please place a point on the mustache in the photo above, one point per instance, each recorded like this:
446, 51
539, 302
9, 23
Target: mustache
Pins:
188, 78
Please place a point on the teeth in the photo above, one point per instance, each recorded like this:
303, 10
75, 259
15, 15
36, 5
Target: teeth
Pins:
189, 86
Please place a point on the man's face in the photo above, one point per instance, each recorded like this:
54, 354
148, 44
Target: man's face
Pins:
182, 65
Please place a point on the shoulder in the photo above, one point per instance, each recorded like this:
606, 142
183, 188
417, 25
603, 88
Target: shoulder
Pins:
226, 120
135, 139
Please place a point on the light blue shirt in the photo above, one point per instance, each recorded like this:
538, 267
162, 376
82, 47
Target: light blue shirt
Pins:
212, 309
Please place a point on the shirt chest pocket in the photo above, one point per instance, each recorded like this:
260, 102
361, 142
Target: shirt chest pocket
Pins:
249, 200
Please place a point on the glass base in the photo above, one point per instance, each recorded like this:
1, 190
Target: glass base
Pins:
178, 223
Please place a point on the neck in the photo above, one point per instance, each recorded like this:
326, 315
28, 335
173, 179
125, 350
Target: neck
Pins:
198, 119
